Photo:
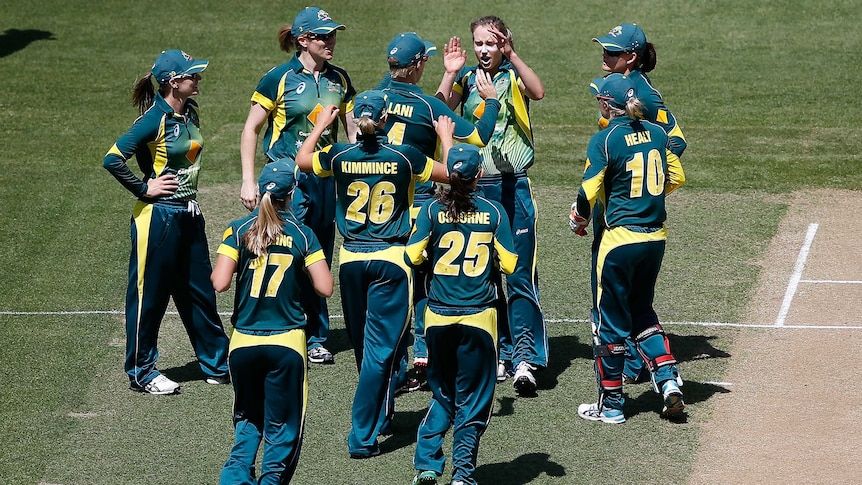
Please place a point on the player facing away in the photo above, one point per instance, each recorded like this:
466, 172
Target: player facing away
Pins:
506, 159
170, 256
269, 250
627, 166
374, 183
465, 236
287, 99
625, 50
410, 121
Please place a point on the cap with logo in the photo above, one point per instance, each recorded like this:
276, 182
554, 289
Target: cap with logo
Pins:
175, 63
625, 38
407, 48
278, 178
313, 20
616, 89
464, 159
370, 104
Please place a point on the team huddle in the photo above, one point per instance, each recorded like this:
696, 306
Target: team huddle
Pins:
431, 197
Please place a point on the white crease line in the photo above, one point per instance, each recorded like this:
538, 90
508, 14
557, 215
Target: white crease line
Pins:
797, 274
719, 383
833, 282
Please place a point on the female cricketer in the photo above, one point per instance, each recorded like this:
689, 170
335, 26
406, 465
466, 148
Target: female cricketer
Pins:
464, 235
506, 159
288, 99
627, 167
374, 184
170, 256
625, 50
410, 121
269, 250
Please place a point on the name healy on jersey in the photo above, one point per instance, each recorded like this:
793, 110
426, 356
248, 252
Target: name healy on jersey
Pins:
637, 138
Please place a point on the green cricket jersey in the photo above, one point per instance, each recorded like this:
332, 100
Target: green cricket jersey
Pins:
162, 142
293, 98
463, 254
510, 149
267, 287
627, 165
374, 187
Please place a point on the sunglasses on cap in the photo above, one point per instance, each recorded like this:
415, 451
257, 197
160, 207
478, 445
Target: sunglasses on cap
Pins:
323, 37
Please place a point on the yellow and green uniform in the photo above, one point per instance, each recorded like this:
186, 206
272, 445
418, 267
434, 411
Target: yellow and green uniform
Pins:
267, 351
410, 121
293, 97
170, 255
505, 159
460, 326
655, 110
626, 172
374, 181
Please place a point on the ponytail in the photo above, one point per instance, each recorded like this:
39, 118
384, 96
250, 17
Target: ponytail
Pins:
143, 93
646, 58
286, 40
268, 226
458, 198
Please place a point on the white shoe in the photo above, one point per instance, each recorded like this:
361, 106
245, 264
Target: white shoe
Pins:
218, 380
319, 355
591, 412
161, 385
525, 382
673, 405
502, 372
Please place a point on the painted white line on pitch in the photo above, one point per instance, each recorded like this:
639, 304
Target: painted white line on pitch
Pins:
797, 274
833, 282
719, 383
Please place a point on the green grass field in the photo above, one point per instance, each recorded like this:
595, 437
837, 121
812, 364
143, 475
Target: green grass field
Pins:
763, 91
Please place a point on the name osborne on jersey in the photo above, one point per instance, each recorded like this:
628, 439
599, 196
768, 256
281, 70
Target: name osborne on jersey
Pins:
465, 218
404, 110
638, 137
370, 168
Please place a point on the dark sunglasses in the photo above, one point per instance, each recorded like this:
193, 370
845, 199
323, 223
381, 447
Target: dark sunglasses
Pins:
613, 53
323, 37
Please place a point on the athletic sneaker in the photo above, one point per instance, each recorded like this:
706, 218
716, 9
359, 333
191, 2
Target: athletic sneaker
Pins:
428, 477
420, 367
319, 355
591, 412
525, 382
502, 371
370, 454
159, 386
673, 403
411, 385
218, 380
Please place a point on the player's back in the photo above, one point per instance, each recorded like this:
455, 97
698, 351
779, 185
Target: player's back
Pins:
636, 172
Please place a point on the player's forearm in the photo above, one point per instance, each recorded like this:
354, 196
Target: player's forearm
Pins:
533, 86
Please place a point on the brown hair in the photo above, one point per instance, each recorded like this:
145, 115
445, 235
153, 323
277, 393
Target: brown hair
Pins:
143, 93
458, 198
268, 226
286, 40
646, 58
497, 23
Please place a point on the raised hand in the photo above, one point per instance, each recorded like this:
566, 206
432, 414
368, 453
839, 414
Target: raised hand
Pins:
454, 57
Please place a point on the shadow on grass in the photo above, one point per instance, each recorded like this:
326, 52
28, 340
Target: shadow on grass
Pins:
523, 469
650, 402
14, 40
564, 350
404, 428
694, 347
190, 371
